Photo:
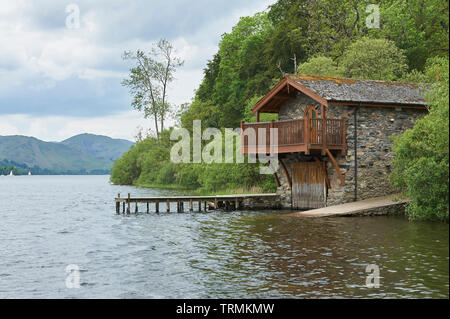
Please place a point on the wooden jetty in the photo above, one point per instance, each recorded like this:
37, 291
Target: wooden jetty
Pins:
202, 203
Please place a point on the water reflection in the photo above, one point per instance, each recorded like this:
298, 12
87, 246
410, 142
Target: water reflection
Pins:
273, 256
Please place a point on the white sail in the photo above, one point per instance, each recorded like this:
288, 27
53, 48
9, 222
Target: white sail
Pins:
11, 173
29, 173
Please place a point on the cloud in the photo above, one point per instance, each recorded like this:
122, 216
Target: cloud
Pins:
48, 70
58, 128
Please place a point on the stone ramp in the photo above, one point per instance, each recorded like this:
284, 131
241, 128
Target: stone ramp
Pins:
378, 204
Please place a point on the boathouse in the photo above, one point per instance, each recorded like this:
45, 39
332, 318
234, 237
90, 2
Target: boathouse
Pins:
334, 136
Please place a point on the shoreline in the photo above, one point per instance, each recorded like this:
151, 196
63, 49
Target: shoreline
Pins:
201, 192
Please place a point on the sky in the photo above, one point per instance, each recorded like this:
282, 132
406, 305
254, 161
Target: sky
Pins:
60, 76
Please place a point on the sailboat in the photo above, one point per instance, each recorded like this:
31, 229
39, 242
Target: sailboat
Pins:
29, 173
11, 173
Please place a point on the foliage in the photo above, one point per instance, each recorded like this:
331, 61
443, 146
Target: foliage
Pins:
374, 59
419, 27
421, 164
434, 67
239, 74
319, 65
148, 164
166, 174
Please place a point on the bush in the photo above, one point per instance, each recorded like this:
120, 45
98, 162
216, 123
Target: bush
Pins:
421, 163
166, 175
374, 59
188, 176
125, 170
320, 65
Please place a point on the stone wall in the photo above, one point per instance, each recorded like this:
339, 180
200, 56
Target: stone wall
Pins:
253, 203
375, 128
295, 108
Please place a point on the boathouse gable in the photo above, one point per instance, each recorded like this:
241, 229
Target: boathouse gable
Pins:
320, 165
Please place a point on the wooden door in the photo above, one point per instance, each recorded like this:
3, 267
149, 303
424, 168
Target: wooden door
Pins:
308, 186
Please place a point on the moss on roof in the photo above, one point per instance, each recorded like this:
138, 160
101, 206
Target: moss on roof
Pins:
368, 91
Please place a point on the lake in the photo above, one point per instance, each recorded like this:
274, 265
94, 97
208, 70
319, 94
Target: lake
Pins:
50, 222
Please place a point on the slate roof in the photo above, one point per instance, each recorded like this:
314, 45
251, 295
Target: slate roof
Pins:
364, 91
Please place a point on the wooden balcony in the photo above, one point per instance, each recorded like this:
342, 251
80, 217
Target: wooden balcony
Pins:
302, 135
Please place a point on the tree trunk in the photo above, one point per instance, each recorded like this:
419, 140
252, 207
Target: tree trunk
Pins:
156, 125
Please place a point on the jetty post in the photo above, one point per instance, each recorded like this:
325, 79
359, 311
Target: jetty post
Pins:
205, 203
128, 202
118, 205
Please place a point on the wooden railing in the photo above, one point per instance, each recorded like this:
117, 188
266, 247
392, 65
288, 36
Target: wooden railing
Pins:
306, 133
335, 132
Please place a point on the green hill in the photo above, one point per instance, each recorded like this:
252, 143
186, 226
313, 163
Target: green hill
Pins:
99, 146
81, 154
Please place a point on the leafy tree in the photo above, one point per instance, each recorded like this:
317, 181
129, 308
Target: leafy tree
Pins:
374, 59
320, 65
333, 25
288, 37
434, 67
210, 74
125, 170
421, 163
239, 74
206, 111
419, 27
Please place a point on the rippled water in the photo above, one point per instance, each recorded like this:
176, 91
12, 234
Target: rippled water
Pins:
48, 222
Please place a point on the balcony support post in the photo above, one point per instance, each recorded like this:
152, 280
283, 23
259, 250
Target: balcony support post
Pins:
271, 137
324, 125
242, 138
344, 134
286, 172
307, 135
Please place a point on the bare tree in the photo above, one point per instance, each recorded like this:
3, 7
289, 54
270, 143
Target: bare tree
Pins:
294, 59
295, 63
165, 73
148, 81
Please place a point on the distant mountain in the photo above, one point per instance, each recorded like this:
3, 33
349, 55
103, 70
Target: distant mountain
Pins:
80, 154
99, 146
